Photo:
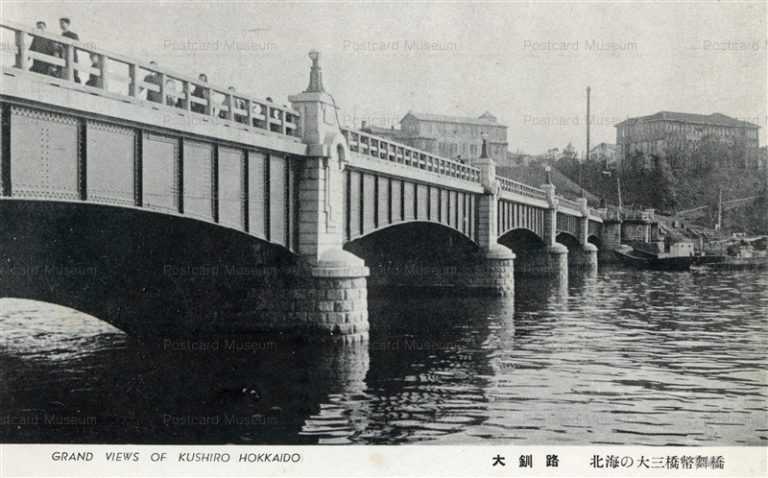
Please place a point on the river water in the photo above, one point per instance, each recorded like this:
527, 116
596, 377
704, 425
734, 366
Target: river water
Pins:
617, 357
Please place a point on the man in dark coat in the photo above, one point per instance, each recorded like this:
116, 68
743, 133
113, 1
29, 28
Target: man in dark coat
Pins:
153, 78
44, 46
66, 32
200, 92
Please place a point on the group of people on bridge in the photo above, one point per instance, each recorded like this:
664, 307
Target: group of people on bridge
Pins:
51, 48
173, 92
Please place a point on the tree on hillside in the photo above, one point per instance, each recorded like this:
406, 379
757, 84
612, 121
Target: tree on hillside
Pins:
664, 196
568, 162
637, 188
757, 212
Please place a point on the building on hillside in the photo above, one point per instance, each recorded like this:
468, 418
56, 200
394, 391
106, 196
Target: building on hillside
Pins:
604, 152
664, 131
762, 161
454, 137
390, 133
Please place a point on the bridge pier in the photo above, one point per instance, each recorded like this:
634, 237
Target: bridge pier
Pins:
334, 300
552, 259
583, 257
496, 269
544, 262
494, 274
610, 239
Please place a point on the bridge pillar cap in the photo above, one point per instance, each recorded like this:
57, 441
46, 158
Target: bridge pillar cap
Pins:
589, 247
557, 249
339, 263
499, 253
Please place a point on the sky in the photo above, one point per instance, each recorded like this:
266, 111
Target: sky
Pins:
527, 63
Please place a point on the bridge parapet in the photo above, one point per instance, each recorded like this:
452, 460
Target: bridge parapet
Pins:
573, 205
644, 215
384, 149
512, 186
126, 79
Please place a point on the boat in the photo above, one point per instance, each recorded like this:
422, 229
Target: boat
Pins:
736, 263
643, 260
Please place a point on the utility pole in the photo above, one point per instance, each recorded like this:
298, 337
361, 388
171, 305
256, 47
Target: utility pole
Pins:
588, 94
586, 157
581, 179
719, 224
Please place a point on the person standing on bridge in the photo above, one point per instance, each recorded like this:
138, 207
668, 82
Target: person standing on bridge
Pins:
239, 104
171, 94
45, 47
66, 32
200, 92
153, 78
226, 109
94, 80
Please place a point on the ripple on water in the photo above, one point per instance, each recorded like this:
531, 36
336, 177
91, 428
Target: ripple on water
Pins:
626, 358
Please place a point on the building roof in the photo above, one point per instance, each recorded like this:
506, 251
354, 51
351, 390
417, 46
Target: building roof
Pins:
487, 119
714, 119
607, 146
381, 131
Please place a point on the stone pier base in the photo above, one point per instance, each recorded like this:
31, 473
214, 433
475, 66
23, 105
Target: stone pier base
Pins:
549, 262
328, 300
493, 274
607, 256
583, 258
336, 301
488, 273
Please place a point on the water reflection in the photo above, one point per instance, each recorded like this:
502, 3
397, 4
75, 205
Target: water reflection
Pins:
618, 356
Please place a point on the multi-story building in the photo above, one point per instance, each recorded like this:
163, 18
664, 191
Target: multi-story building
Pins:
453, 137
659, 133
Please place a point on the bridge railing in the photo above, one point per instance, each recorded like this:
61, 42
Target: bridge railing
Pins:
384, 149
83, 65
569, 203
516, 187
644, 215
601, 213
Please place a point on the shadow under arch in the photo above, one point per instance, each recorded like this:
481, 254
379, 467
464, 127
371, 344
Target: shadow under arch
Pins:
413, 239
144, 272
410, 223
594, 240
415, 257
522, 241
568, 240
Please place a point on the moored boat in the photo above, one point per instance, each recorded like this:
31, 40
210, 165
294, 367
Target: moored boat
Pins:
737, 263
644, 260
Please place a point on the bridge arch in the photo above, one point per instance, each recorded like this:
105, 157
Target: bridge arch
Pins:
143, 272
415, 224
568, 240
520, 240
416, 256
595, 240
413, 239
